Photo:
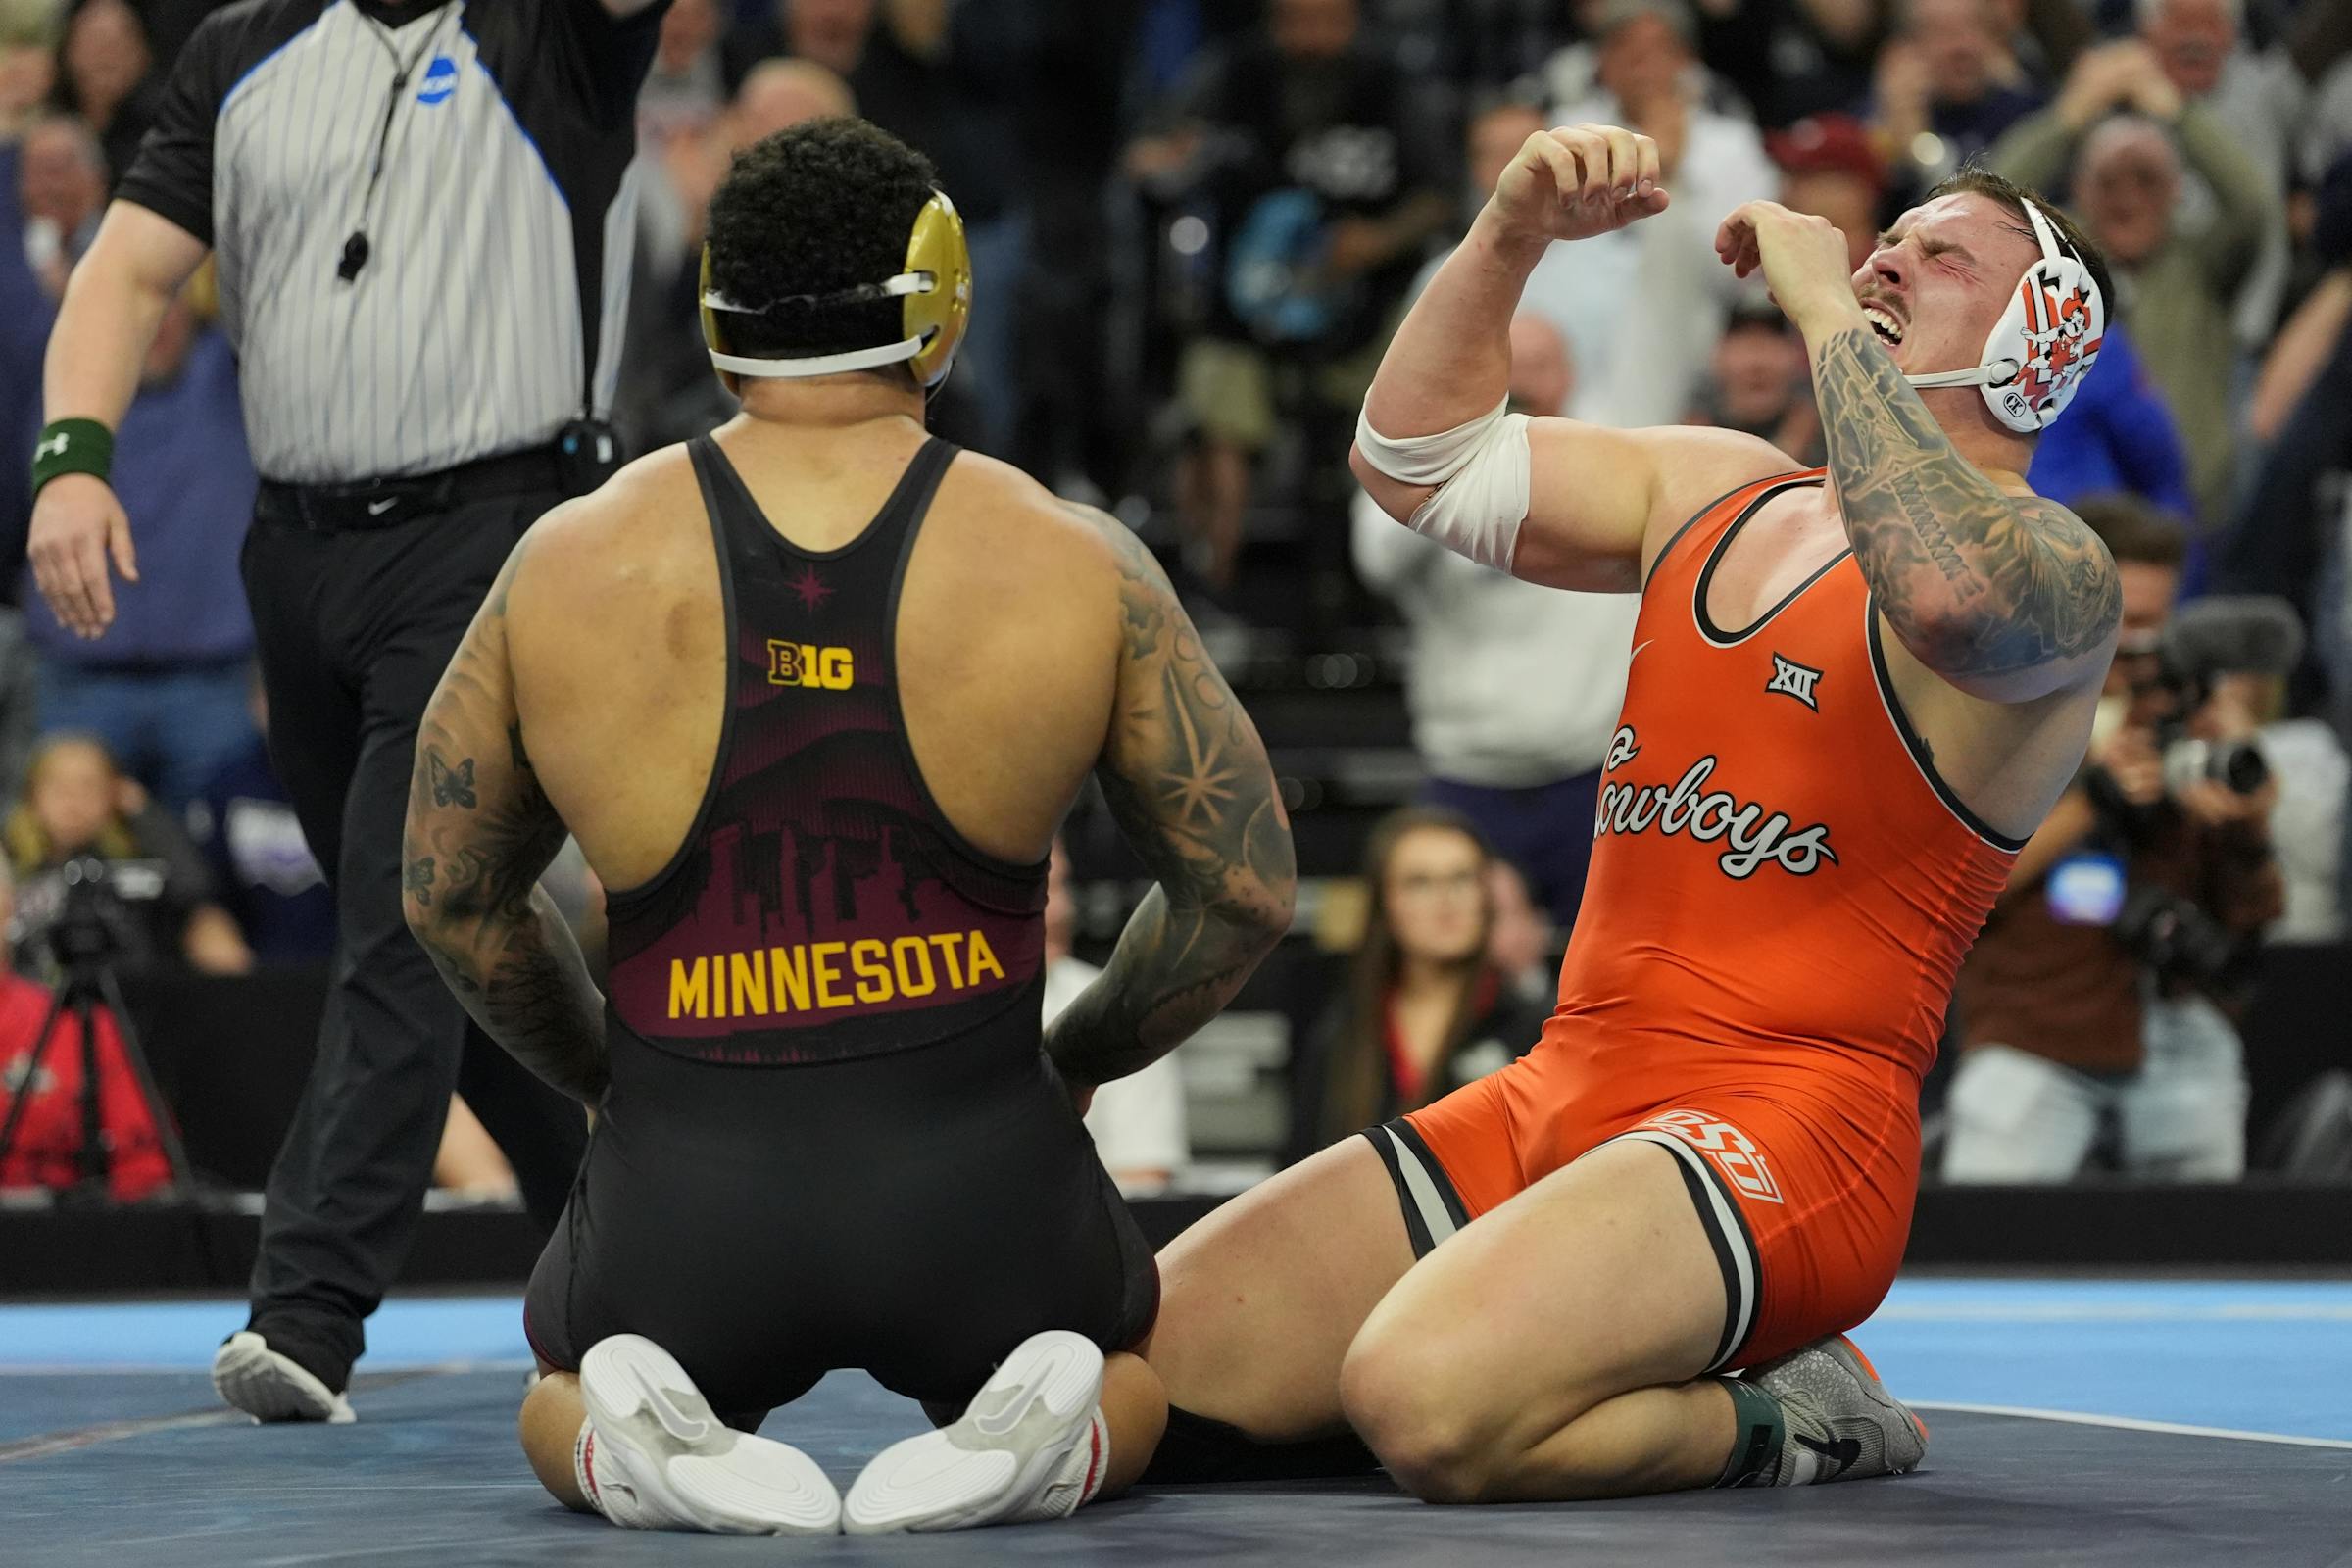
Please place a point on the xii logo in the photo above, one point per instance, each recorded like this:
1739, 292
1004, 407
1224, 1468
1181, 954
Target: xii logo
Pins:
1792, 679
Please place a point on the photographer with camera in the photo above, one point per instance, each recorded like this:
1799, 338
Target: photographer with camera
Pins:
2097, 1000
66, 1137
86, 844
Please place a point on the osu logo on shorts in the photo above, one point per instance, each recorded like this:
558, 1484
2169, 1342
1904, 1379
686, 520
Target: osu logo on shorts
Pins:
791, 663
1740, 1160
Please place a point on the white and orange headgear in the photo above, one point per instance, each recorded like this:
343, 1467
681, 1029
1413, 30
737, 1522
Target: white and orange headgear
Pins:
2056, 287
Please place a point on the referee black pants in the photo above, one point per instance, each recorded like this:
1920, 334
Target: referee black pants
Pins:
354, 631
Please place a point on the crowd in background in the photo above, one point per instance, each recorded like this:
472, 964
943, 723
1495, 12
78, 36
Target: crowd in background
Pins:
1194, 223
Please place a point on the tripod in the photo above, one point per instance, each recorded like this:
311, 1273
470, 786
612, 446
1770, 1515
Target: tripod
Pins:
89, 989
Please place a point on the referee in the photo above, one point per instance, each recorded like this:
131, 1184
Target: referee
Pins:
422, 217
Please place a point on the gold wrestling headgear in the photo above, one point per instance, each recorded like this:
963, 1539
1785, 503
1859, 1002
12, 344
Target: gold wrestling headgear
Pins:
936, 285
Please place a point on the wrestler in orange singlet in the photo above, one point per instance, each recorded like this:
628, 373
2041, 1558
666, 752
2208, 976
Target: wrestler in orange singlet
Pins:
1854, 692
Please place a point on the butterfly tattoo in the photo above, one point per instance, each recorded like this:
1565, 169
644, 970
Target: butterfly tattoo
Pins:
452, 786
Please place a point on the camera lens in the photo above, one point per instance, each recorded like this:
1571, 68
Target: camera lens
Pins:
2242, 766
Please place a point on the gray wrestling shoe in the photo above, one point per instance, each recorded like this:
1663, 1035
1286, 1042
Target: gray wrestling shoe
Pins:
655, 1456
269, 1387
1032, 1445
1843, 1423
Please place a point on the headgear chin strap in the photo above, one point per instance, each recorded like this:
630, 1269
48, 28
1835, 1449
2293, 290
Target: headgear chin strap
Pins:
2039, 349
936, 286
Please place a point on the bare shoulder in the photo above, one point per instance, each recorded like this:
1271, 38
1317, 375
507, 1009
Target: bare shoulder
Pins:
1016, 522
626, 531
1698, 463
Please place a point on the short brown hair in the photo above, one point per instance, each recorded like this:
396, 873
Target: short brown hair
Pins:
1975, 179
2133, 531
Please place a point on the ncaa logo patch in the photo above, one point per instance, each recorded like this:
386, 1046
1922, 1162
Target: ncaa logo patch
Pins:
1792, 679
1740, 1160
440, 80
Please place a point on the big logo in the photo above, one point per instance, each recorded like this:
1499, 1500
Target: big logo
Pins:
791, 663
1750, 835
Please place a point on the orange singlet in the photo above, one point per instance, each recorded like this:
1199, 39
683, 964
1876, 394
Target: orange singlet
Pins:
1781, 892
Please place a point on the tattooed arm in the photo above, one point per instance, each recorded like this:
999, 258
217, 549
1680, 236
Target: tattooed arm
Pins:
479, 832
1191, 788
2008, 598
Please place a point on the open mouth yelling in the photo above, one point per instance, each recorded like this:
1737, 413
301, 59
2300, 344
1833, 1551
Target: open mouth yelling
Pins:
1884, 323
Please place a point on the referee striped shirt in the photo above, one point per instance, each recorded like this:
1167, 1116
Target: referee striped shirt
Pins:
499, 230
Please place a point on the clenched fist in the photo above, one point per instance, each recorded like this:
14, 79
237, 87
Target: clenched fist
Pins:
1578, 181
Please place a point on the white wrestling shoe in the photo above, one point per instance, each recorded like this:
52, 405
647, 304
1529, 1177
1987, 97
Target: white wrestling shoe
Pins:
1843, 1423
269, 1387
655, 1457
1032, 1445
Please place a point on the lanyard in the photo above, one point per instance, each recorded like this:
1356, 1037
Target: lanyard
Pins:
356, 249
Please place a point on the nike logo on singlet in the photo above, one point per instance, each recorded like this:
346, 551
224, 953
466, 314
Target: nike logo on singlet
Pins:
1752, 836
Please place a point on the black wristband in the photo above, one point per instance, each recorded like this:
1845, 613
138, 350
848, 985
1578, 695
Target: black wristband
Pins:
71, 446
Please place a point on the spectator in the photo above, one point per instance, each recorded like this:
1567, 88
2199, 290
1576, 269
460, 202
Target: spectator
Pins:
2295, 356
1137, 1121
2044, 37
104, 79
27, 67
48, 1146
2260, 99
2117, 435
1425, 1010
686, 88
1513, 688
1946, 90
1829, 170
1762, 385
2288, 537
1554, 290
880, 47
780, 94
2196, 44
77, 805
917, 69
1324, 198
61, 191
2177, 288
1651, 299
243, 822
165, 688
669, 393
2090, 998
2307, 824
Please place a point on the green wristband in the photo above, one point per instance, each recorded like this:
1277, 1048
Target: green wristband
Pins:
71, 446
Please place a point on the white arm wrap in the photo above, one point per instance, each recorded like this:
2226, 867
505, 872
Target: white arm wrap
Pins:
1482, 471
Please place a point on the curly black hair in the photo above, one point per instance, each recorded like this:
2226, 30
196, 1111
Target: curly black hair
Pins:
825, 206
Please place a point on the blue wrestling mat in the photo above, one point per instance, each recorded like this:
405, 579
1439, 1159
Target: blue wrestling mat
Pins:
2138, 1423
